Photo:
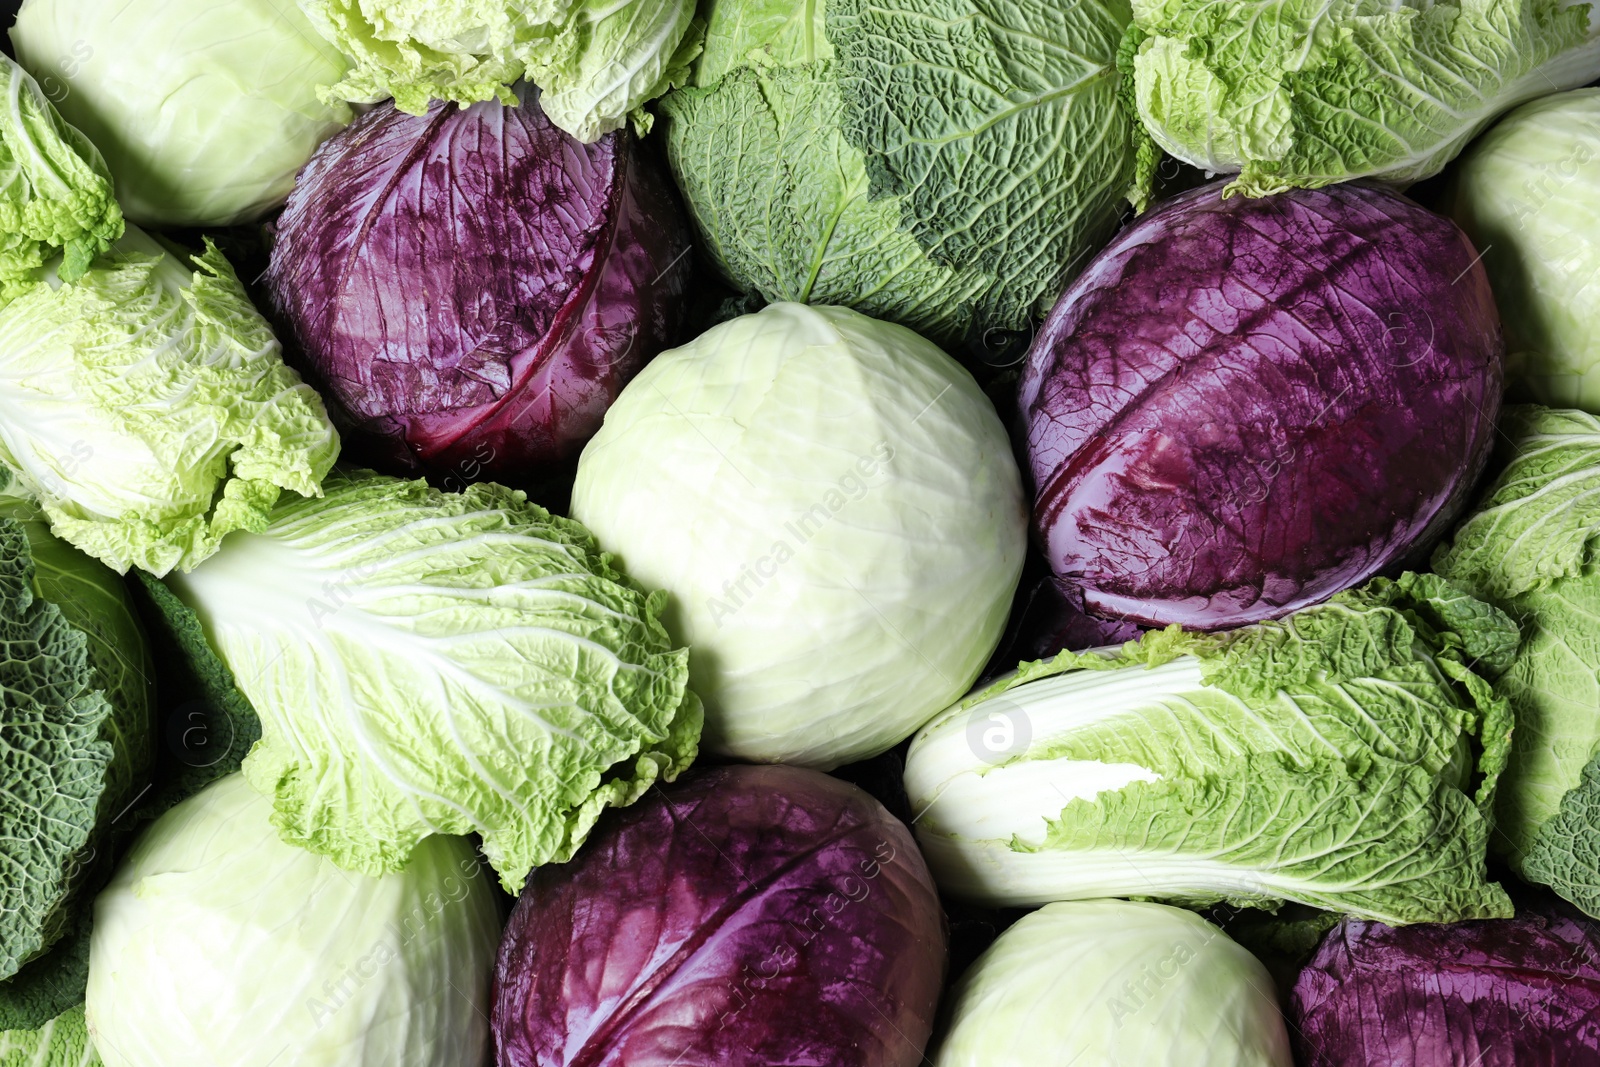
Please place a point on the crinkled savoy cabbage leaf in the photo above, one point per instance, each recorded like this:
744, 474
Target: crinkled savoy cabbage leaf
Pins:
1303, 93
62, 1042
1317, 759
999, 122
54, 759
55, 190
1531, 548
783, 204
149, 409
438, 663
819, 170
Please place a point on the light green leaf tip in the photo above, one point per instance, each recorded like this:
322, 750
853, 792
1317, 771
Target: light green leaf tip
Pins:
55, 190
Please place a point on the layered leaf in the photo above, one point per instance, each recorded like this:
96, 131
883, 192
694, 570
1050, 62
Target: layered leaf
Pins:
600, 66
1310, 92
1319, 759
55, 190
783, 203
941, 165
54, 759
982, 114
1531, 548
149, 409
62, 1042
434, 663
597, 61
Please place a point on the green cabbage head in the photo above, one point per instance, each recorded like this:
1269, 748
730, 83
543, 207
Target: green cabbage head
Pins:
204, 110
1528, 194
1115, 982
596, 62
216, 943
1533, 547
942, 164
148, 408
1303, 93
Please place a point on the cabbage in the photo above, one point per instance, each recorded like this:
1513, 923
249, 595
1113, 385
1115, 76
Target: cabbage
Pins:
78, 749
1244, 406
943, 164
1109, 981
597, 61
216, 943
1532, 548
1302, 93
473, 289
439, 663
62, 1042
833, 506
747, 915
148, 407
1528, 193
1344, 758
55, 191
1507, 993
204, 108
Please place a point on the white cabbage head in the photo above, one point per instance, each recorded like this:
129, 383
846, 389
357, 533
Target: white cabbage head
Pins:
217, 943
833, 505
1115, 981
205, 111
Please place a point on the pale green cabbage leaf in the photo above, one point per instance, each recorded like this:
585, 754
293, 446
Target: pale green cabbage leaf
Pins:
148, 408
1528, 194
55, 190
1532, 548
943, 165
216, 943
596, 62
1303, 93
1114, 982
205, 111
436, 663
1344, 757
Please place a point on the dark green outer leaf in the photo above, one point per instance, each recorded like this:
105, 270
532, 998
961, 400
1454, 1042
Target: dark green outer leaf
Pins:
1000, 123
53, 759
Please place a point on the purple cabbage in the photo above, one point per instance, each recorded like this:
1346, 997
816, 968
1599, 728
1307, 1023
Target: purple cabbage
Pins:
1521, 992
745, 916
472, 288
1244, 406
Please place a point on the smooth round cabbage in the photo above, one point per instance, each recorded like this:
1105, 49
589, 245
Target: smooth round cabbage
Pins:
203, 109
1245, 405
747, 916
1528, 194
833, 505
216, 943
1115, 982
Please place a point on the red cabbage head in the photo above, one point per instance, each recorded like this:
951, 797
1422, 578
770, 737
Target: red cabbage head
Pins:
1246, 405
745, 917
473, 287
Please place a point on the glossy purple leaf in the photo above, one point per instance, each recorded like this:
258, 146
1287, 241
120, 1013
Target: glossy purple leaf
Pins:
746, 916
1246, 405
1521, 992
472, 288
